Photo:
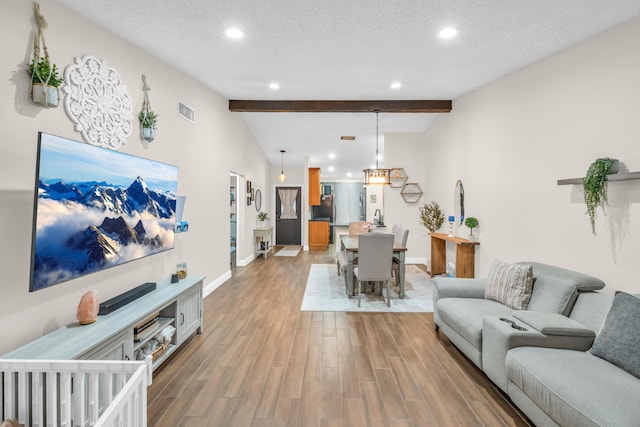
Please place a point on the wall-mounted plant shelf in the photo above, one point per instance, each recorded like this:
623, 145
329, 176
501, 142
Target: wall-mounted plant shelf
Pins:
626, 176
411, 192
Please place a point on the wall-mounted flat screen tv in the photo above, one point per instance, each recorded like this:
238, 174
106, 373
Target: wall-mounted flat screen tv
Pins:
96, 208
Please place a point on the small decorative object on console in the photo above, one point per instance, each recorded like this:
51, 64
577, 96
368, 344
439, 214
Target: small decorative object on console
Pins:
181, 270
88, 308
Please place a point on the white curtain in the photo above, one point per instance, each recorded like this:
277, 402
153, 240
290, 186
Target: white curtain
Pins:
288, 199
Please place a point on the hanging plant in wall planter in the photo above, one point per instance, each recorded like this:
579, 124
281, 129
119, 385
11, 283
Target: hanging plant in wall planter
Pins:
45, 77
595, 186
147, 117
148, 122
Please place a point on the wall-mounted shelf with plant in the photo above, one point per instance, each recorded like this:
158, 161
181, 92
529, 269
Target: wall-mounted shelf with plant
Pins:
600, 172
45, 77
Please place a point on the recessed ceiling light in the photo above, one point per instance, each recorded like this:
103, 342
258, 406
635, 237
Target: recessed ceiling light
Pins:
379, 157
396, 85
331, 169
332, 155
234, 33
347, 138
349, 174
447, 33
274, 86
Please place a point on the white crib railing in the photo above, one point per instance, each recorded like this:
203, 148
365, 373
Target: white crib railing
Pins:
54, 393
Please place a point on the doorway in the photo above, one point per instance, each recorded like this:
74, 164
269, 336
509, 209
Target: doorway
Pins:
288, 216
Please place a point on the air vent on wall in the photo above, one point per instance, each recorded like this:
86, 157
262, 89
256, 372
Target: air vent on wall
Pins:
186, 112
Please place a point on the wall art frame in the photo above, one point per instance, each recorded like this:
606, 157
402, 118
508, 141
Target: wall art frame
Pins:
97, 102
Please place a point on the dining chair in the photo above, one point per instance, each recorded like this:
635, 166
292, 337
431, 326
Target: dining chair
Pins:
355, 228
375, 256
400, 237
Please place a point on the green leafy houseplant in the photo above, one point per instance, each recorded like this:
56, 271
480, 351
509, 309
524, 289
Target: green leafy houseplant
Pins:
263, 216
431, 216
45, 72
595, 187
148, 119
472, 223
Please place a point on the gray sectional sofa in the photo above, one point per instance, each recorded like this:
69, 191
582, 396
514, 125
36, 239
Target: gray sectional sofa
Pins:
540, 357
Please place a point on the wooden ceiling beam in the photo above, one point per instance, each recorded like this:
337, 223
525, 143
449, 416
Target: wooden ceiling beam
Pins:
415, 106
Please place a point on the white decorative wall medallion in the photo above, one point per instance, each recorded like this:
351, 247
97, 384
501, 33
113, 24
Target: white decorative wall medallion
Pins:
97, 102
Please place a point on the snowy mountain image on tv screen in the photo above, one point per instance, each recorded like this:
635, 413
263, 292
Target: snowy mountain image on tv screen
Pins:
97, 208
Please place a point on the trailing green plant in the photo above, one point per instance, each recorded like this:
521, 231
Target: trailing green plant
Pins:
431, 216
263, 216
148, 119
595, 187
45, 72
471, 222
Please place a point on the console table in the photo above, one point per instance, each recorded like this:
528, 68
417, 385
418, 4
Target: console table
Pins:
262, 238
111, 337
465, 255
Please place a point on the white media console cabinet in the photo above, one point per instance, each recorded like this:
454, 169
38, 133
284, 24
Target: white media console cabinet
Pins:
111, 337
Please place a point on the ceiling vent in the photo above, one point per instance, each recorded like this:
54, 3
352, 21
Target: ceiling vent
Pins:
186, 112
347, 138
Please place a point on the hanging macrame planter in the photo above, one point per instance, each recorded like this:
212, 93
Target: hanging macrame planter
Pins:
45, 78
148, 119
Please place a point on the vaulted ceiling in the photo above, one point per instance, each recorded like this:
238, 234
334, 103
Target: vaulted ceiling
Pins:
349, 50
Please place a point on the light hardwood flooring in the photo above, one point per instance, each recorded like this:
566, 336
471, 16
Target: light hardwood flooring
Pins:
260, 361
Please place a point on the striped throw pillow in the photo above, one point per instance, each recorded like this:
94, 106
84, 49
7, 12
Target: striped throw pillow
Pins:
510, 284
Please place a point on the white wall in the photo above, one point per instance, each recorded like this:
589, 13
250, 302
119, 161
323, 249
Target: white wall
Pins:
206, 153
407, 150
510, 141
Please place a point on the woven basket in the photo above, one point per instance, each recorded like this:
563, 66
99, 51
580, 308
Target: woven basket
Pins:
159, 351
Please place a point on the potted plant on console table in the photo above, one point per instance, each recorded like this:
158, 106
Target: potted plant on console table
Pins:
472, 223
431, 216
263, 217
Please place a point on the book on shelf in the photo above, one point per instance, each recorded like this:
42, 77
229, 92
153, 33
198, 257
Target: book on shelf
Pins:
147, 323
147, 332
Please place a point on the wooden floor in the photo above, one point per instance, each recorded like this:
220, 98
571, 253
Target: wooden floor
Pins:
260, 361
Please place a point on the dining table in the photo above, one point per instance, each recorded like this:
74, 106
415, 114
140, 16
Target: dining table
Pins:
349, 244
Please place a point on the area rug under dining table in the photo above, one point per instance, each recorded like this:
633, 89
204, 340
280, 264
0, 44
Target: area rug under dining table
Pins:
325, 291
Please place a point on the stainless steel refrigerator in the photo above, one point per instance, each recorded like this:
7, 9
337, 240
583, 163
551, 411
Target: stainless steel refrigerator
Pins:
327, 208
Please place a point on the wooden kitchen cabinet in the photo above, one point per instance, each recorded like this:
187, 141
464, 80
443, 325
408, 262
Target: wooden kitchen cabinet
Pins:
314, 186
318, 235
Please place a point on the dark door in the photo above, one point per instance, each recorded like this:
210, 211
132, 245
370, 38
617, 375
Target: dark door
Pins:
288, 216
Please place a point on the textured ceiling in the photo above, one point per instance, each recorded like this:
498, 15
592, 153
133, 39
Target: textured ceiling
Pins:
353, 49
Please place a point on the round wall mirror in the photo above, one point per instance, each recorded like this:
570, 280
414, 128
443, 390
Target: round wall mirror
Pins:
258, 200
458, 203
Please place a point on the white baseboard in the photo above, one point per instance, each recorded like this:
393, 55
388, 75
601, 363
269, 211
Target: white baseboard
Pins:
208, 289
416, 260
246, 261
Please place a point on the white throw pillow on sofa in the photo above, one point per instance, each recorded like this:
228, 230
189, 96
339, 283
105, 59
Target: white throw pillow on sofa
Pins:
510, 284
